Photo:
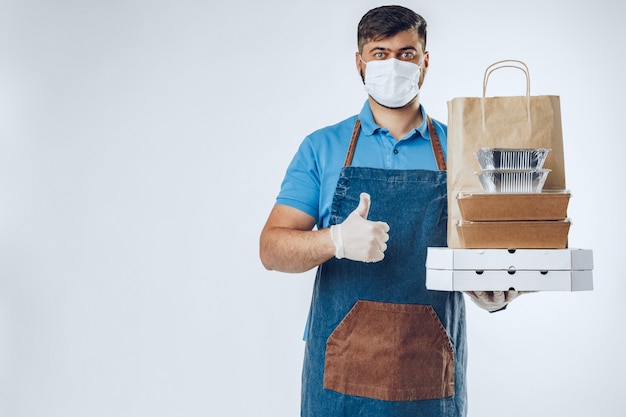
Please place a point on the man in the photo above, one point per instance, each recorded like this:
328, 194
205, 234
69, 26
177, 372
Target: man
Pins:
362, 200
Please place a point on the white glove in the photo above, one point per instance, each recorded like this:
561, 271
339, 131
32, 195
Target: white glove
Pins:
493, 301
360, 239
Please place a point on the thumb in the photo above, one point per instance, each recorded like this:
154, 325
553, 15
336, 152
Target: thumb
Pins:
364, 205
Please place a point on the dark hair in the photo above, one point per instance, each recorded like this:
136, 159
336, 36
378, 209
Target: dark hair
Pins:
385, 21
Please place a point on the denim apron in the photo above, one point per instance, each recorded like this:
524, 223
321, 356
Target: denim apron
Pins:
378, 342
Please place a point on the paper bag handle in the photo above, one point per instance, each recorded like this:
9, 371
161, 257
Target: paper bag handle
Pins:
506, 63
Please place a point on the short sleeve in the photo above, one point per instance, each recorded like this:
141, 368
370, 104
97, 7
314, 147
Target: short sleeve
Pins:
300, 188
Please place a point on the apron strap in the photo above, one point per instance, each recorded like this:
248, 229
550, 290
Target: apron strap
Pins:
352, 147
436, 144
434, 141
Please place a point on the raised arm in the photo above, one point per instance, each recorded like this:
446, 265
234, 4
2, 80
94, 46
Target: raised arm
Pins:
289, 244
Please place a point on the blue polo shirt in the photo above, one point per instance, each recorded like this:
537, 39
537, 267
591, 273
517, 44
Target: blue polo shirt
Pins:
311, 178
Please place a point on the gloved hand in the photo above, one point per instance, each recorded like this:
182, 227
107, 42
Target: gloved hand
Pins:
493, 301
360, 239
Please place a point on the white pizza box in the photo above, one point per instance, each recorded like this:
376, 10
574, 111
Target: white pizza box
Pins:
502, 269
449, 280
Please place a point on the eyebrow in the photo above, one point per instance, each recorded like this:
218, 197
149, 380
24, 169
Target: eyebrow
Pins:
406, 48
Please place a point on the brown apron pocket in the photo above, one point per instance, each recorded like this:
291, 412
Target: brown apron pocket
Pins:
393, 352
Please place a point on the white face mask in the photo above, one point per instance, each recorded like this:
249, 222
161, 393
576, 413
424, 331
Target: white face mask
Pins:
391, 82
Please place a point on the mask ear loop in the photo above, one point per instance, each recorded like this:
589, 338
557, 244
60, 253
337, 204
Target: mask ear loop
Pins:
511, 63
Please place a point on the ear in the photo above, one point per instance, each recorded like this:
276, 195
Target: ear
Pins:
360, 67
359, 63
425, 69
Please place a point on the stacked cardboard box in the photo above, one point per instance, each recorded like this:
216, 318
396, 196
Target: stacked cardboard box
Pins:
518, 221
511, 241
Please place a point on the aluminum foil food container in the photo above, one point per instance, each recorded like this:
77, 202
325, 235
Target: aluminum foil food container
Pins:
513, 181
511, 158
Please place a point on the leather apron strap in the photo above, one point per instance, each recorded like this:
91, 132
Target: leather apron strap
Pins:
353, 140
436, 145
434, 142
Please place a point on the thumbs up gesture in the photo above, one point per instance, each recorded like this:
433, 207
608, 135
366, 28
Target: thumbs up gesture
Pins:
360, 239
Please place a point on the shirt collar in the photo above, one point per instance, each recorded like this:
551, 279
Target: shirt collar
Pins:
369, 126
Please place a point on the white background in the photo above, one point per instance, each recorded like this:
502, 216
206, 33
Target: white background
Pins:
142, 144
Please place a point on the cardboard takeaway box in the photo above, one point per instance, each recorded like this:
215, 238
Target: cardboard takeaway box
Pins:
547, 205
519, 234
501, 269
520, 221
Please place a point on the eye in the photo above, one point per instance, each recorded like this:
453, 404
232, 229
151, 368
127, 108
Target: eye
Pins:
379, 55
408, 55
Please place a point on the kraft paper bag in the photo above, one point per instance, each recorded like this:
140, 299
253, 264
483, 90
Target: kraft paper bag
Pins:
499, 122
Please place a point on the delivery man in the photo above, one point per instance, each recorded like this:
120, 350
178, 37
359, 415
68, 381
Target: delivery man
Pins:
362, 200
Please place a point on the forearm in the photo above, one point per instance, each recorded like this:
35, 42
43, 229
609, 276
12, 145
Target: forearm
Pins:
287, 250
